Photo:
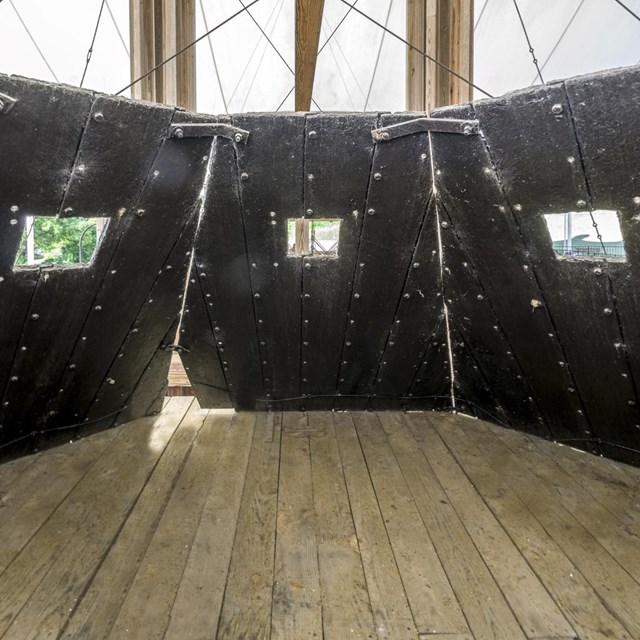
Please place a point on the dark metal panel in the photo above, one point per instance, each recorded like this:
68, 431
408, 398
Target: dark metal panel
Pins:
199, 352
605, 110
271, 164
394, 211
544, 149
337, 171
169, 198
222, 268
417, 320
487, 233
120, 142
40, 136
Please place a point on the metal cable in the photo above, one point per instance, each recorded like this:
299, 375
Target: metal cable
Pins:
557, 44
273, 46
375, 66
344, 82
526, 35
326, 42
198, 39
484, 6
33, 40
115, 24
422, 53
624, 6
93, 41
253, 53
213, 57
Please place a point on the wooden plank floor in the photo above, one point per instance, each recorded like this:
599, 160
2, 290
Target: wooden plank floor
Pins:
203, 525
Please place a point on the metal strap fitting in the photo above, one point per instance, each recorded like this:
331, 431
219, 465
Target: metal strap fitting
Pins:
201, 130
6, 103
421, 125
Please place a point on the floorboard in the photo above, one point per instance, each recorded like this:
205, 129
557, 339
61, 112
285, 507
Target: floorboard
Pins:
201, 524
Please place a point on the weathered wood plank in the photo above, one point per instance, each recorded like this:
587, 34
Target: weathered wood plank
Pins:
196, 609
458, 501
246, 609
429, 591
579, 599
95, 612
297, 605
345, 600
35, 587
308, 25
389, 604
148, 602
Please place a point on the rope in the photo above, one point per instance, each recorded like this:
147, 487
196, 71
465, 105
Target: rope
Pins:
175, 55
213, 57
526, 35
33, 40
624, 6
422, 53
93, 41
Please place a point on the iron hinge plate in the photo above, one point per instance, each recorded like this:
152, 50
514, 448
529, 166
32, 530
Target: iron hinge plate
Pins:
209, 130
422, 125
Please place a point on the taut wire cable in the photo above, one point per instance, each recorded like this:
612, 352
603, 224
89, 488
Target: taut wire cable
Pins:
93, 41
526, 35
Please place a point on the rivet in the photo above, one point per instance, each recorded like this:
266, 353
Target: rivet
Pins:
391, 343
636, 200
385, 135
14, 378
305, 344
307, 265
571, 390
356, 295
244, 176
631, 403
597, 271
312, 134
98, 117
467, 129
309, 212
348, 344
238, 137
444, 224
256, 296
272, 214
13, 222
480, 296
557, 109
607, 311
517, 207
35, 316
581, 204
310, 177
275, 264
406, 296
416, 265
371, 212
377, 176
72, 366
273, 222
178, 133
307, 296
98, 307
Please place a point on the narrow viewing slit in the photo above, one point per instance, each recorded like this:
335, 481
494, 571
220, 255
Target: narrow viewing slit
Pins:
313, 237
585, 235
48, 241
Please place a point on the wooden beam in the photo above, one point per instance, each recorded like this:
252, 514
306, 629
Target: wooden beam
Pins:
444, 30
142, 48
160, 28
308, 24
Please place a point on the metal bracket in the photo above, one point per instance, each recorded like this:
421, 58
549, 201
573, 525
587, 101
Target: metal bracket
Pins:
6, 103
209, 130
421, 125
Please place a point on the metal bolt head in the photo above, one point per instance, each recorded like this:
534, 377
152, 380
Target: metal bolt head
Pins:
178, 133
307, 265
384, 135
377, 176
244, 176
467, 130
597, 271
312, 134
356, 295
581, 204
98, 117
444, 224
416, 265
238, 137
607, 311
557, 109
371, 212
256, 296
309, 212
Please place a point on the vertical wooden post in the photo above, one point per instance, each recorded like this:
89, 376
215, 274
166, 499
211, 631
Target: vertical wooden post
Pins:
160, 28
308, 25
444, 30
142, 48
